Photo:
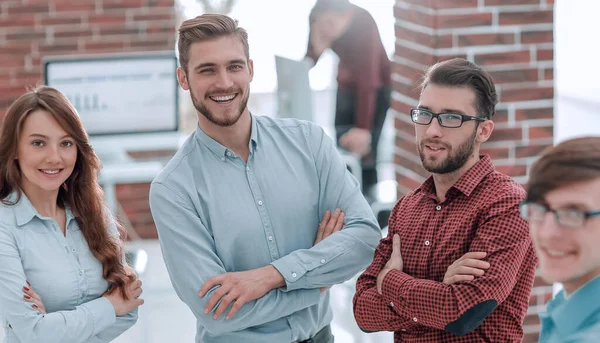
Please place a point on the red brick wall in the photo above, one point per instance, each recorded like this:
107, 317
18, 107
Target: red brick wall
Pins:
32, 29
513, 40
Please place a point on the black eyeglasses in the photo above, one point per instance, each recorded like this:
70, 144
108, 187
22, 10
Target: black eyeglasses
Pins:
448, 119
571, 218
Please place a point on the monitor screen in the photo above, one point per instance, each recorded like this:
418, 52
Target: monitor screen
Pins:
118, 95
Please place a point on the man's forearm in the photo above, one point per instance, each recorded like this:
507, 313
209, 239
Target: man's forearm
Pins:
373, 314
414, 298
335, 260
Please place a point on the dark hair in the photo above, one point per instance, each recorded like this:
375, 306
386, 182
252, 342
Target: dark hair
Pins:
81, 191
321, 6
208, 27
570, 162
459, 72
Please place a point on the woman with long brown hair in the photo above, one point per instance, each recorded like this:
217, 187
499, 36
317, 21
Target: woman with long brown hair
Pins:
57, 236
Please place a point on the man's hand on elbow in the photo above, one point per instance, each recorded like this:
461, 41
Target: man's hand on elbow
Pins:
239, 288
330, 224
466, 268
395, 263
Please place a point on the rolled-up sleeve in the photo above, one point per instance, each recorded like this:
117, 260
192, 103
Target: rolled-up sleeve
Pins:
345, 253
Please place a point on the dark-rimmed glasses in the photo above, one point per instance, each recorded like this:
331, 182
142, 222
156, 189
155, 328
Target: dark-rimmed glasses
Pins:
571, 218
447, 119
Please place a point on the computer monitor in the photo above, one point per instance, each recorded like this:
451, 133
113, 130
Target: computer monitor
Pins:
127, 102
294, 94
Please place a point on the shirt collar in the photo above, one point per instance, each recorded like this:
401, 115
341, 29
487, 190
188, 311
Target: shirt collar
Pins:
25, 212
568, 315
469, 181
253, 134
473, 177
23, 209
219, 149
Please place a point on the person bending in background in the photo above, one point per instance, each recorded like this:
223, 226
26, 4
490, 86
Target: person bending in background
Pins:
364, 77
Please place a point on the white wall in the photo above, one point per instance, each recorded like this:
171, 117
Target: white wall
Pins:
577, 72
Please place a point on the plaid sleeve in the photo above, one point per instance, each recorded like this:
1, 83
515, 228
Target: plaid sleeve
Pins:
371, 311
505, 238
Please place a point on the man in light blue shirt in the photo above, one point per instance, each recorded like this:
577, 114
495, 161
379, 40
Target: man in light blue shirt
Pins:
238, 206
563, 208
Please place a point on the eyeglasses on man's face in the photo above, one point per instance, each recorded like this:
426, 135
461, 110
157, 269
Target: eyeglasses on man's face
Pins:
446, 119
567, 217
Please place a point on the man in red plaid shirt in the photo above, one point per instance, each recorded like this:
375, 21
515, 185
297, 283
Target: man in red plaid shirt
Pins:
458, 264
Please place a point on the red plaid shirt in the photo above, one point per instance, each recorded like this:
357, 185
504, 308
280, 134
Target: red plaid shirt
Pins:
480, 213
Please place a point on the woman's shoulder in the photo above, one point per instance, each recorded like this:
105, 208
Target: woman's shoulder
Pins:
9, 228
15, 210
7, 215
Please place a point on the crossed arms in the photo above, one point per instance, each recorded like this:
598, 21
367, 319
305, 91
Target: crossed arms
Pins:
455, 305
184, 234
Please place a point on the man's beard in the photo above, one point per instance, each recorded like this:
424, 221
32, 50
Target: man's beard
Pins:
454, 161
225, 121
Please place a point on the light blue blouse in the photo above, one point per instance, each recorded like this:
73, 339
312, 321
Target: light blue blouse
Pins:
63, 271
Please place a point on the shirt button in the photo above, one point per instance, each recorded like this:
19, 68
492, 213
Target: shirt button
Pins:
81, 272
391, 303
247, 168
73, 250
415, 319
294, 274
427, 242
260, 203
270, 238
322, 260
228, 153
438, 207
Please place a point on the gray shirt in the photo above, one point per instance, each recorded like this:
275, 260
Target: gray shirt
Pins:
217, 214
63, 271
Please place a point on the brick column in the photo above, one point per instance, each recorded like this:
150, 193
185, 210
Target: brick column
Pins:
32, 29
513, 40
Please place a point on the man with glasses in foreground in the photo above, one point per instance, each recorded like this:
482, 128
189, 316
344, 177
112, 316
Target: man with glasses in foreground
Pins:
458, 264
563, 210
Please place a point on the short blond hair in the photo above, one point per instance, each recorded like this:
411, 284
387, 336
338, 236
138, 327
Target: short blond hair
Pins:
207, 27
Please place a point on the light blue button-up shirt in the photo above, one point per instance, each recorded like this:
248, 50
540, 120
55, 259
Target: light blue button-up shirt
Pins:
575, 319
217, 214
63, 271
